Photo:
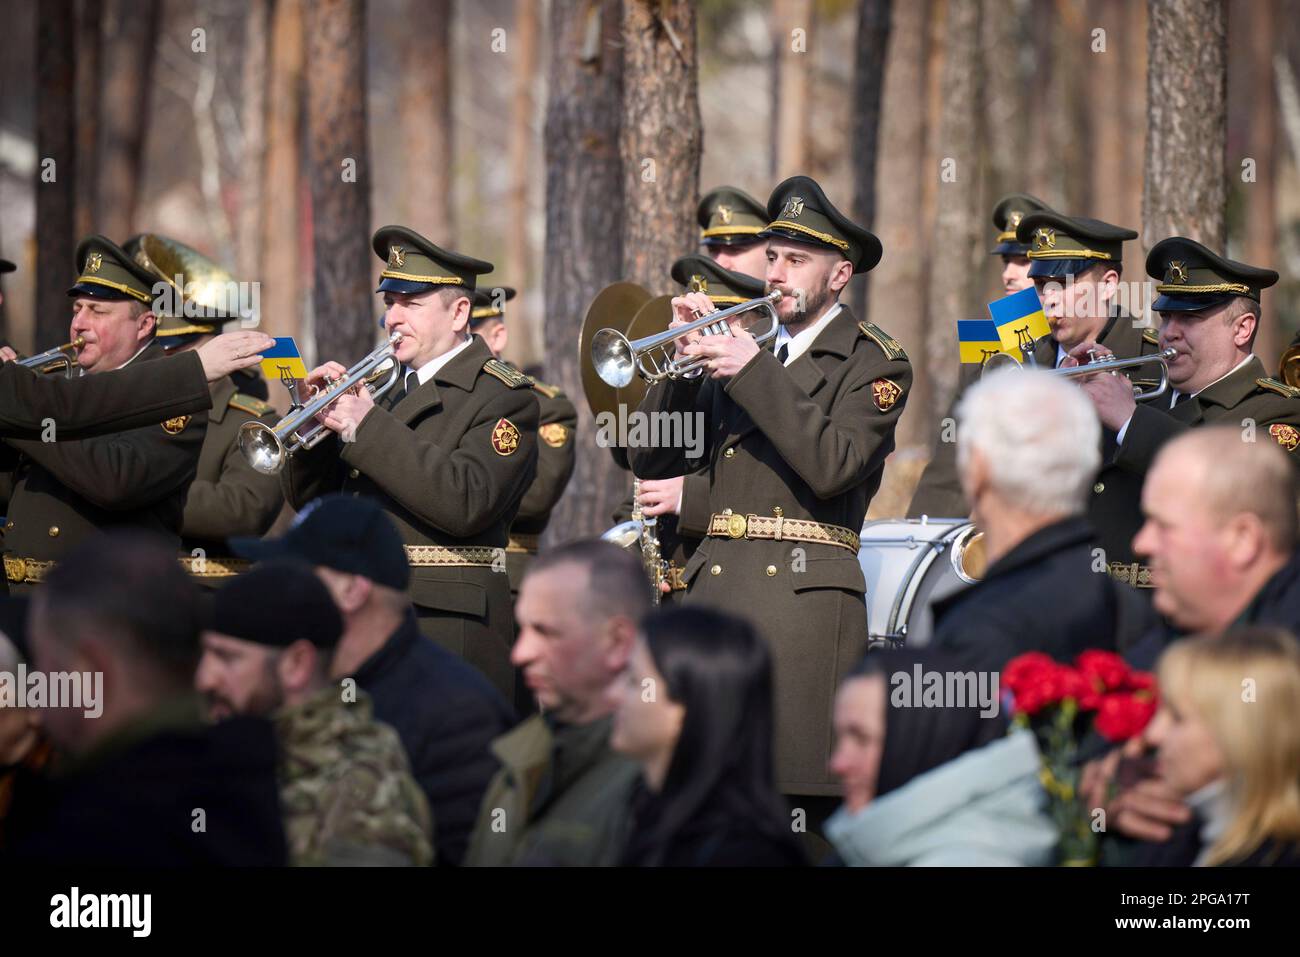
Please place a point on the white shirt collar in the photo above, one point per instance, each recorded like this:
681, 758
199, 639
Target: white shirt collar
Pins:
430, 368
800, 342
1174, 397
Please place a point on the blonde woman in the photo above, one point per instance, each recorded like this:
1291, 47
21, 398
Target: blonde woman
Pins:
1228, 739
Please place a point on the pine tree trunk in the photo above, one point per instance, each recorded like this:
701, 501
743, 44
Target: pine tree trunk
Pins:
89, 45
339, 173
130, 38
868, 83
791, 100
253, 118
56, 143
281, 268
1186, 122
660, 140
584, 228
525, 341
959, 233
426, 117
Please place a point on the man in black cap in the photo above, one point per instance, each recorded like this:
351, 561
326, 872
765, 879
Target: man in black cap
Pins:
796, 444
63, 492
556, 452
228, 497
1209, 310
144, 782
731, 223
445, 712
938, 492
449, 452
345, 784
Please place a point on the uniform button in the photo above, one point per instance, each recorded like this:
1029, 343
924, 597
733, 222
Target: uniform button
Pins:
771, 571
726, 511
776, 510
729, 454
8, 526
54, 531
355, 473
715, 570
1099, 487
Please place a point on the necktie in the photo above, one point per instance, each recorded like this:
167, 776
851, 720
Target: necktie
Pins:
783, 353
1181, 398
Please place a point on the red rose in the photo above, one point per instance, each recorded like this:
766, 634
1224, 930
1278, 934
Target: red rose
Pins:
1106, 667
1123, 716
1081, 688
1045, 683
1140, 681
1024, 668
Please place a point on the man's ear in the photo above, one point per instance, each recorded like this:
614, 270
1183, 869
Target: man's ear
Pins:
145, 325
841, 273
460, 310
1107, 285
1243, 329
1246, 539
620, 640
354, 594
297, 664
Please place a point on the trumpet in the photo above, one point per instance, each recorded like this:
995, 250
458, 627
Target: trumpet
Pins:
1003, 360
617, 358
51, 359
267, 448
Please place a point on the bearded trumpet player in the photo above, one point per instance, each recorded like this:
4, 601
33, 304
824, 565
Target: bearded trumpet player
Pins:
449, 451
796, 439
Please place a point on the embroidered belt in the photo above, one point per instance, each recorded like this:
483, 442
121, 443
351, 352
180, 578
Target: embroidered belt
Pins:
27, 570
203, 567
427, 555
1131, 573
781, 529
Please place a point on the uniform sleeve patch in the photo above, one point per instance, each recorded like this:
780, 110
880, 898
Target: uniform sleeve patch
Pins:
177, 425
554, 434
886, 393
505, 437
1286, 436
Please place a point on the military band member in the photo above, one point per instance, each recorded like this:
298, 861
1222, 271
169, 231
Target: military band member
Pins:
731, 222
61, 493
1209, 310
938, 493
557, 423
796, 443
449, 452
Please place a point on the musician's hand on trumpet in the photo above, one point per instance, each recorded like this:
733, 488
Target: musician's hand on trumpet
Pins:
345, 413
686, 309
1111, 392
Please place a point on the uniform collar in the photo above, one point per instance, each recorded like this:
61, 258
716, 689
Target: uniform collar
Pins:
431, 368
223, 390
801, 341
1230, 389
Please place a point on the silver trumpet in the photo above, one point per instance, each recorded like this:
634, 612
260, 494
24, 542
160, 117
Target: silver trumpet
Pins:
51, 359
267, 448
1003, 360
617, 358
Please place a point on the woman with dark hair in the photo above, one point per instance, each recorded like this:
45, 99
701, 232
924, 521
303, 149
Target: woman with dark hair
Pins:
695, 710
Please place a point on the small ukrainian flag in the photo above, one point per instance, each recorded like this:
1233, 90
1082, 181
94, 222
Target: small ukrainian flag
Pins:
283, 361
1019, 319
977, 339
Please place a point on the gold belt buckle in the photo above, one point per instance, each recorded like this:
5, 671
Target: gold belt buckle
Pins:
16, 569
736, 526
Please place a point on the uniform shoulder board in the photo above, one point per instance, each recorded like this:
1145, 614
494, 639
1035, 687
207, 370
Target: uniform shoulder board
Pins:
549, 391
250, 404
507, 374
888, 344
1281, 388
1151, 337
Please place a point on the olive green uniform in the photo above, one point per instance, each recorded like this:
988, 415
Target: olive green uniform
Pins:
807, 442
228, 497
346, 787
61, 493
449, 462
561, 798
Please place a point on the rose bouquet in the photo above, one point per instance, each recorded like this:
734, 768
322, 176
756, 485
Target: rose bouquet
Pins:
1061, 703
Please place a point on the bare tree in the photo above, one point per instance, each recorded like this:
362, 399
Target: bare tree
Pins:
584, 226
56, 142
959, 232
426, 118
89, 45
790, 87
1187, 81
339, 174
525, 340
868, 84
252, 167
660, 139
130, 39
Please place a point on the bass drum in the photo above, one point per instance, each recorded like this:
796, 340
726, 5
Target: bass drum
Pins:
909, 563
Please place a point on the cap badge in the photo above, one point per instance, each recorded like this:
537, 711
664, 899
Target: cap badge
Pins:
1044, 238
724, 214
1014, 220
94, 261
699, 283
1177, 272
793, 207
396, 256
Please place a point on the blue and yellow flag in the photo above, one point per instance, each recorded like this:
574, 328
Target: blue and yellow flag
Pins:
977, 339
283, 361
1019, 319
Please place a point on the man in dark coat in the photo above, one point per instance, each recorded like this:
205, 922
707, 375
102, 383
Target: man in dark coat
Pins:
1027, 450
795, 441
445, 711
143, 782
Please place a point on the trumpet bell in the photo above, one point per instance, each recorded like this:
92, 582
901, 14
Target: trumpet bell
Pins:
611, 354
1000, 360
261, 448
